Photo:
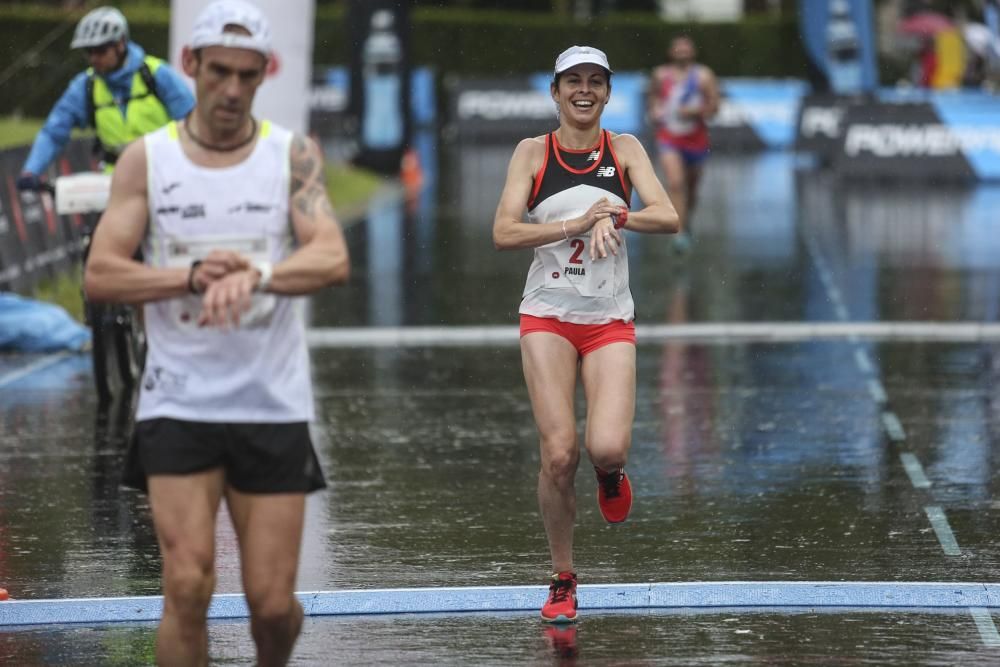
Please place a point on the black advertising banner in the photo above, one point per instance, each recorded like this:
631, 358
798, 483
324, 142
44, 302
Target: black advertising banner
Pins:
13, 235
900, 142
730, 132
820, 125
379, 36
35, 243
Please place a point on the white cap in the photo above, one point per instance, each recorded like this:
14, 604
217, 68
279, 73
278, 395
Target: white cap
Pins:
209, 27
578, 55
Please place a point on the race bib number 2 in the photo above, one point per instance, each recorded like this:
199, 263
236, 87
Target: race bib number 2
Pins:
569, 264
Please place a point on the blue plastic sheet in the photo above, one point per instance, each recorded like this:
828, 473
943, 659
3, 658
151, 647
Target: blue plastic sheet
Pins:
27, 325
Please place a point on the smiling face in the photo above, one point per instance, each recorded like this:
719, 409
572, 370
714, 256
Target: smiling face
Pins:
581, 93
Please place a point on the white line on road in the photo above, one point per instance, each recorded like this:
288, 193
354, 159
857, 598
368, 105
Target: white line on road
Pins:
877, 391
893, 427
709, 332
861, 358
939, 522
915, 471
34, 366
984, 623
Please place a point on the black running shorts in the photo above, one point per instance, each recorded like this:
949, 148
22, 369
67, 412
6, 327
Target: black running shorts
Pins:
257, 458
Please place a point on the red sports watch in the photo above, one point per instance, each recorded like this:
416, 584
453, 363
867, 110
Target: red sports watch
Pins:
620, 219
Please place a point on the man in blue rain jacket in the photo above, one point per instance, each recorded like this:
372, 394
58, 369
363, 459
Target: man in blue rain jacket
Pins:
123, 95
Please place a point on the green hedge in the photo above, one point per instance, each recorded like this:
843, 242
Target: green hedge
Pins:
451, 41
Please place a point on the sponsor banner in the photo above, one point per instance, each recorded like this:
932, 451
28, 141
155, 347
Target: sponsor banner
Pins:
820, 125
975, 124
756, 115
911, 141
35, 243
962, 122
510, 108
284, 95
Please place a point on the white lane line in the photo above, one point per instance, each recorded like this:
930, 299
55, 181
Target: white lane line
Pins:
984, 623
767, 332
915, 471
877, 391
939, 522
861, 358
893, 427
34, 366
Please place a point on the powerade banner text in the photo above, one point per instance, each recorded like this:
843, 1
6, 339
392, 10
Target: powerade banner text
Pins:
284, 95
940, 136
900, 141
379, 35
35, 243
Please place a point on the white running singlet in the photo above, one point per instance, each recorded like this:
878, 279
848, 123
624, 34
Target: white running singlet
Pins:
563, 282
259, 371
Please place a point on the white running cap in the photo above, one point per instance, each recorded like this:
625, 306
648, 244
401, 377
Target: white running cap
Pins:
210, 27
578, 55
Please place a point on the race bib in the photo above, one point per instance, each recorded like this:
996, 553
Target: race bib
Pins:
181, 252
568, 264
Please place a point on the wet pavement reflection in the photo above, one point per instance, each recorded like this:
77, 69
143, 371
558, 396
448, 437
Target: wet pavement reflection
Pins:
721, 637
751, 461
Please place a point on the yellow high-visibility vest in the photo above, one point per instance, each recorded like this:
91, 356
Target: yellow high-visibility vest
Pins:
144, 112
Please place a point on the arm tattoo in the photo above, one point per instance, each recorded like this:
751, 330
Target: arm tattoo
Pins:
305, 166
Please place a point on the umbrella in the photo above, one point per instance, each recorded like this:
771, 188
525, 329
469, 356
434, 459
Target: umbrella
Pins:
926, 24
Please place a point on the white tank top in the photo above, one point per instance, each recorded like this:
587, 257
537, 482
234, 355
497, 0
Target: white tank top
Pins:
258, 372
563, 282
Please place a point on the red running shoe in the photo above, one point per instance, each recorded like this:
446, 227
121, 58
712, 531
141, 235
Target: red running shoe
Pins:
614, 494
561, 605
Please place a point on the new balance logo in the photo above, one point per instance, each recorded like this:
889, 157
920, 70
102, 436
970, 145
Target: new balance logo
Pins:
595, 155
606, 172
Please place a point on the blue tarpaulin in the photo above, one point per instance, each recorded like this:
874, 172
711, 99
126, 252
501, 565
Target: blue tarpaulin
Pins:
27, 325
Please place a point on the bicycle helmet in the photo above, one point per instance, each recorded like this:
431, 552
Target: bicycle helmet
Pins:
102, 25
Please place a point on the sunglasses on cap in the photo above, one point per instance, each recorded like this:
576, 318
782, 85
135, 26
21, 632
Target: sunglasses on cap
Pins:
98, 50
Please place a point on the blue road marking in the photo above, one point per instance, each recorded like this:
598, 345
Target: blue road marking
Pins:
692, 595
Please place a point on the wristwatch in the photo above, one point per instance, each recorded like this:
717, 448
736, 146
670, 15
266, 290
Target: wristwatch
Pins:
619, 220
265, 270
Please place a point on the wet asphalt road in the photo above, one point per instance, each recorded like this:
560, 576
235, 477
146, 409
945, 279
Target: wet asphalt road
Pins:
751, 460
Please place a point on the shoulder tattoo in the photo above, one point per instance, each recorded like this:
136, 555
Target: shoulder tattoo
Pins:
308, 190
